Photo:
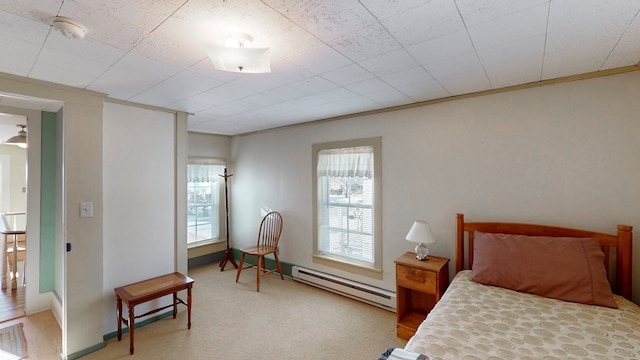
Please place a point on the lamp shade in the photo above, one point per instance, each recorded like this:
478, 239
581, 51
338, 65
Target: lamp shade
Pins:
421, 232
20, 139
238, 56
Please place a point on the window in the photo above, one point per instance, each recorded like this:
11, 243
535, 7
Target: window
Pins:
205, 188
347, 214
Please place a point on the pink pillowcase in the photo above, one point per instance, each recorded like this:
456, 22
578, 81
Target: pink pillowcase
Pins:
570, 269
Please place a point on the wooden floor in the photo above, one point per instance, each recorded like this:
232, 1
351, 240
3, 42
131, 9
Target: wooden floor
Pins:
11, 303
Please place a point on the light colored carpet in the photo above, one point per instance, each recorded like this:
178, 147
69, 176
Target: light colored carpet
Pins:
285, 320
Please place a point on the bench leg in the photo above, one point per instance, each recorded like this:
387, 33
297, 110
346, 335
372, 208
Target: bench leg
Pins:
189, 307
175, 304
119, 307
132, 326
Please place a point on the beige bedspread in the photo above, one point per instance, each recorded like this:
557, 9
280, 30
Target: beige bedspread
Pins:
474, 321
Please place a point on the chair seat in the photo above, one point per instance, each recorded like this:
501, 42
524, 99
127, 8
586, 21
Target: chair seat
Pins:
259, 250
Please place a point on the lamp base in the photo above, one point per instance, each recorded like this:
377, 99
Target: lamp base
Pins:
421, 251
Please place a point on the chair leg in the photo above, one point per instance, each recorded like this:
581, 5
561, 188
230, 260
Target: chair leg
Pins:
259, 271
275, 256
240, 267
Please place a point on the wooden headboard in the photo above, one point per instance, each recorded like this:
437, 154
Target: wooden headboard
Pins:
622, 243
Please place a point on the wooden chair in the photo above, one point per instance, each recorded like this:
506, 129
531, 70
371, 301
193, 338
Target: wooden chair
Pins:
268, 237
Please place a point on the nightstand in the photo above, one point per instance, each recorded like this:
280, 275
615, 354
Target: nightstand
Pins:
419, 286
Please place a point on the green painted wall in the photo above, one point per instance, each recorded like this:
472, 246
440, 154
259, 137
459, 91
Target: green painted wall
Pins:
48, 202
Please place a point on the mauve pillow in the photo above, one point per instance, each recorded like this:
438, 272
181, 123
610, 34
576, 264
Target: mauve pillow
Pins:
570, 269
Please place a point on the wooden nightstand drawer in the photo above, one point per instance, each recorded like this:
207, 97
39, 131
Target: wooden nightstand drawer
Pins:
416, 279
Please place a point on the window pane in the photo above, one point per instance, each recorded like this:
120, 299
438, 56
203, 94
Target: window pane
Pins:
349, 216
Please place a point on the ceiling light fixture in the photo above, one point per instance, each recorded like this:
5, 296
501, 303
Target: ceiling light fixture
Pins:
238, 56
70, 28
20, 139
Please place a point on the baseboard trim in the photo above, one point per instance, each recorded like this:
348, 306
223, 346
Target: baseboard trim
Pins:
86, 351
216, 257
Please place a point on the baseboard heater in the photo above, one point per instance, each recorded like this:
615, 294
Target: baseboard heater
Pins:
352, 289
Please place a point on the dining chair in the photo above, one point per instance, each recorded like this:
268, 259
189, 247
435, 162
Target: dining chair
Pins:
268, 238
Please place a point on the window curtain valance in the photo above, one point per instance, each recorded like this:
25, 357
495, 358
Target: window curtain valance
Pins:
205, 170
347, 162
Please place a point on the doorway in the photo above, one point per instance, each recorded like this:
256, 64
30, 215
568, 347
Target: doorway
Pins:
13, 206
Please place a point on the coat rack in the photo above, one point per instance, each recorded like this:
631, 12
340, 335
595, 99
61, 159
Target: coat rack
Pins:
228, 255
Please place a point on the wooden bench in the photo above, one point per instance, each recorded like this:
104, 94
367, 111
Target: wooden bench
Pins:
147, 290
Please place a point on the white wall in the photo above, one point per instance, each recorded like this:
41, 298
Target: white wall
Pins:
564, 154
139, 201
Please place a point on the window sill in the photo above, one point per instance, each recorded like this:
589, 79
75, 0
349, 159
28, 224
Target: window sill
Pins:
367, 271
204, 243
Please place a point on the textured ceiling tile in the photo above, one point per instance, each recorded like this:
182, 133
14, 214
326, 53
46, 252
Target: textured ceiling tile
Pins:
387, 98
285, 93
465, 82
104, 27
145, 14
320, 60
504, 73
434, 19
162, 49
74, 63
369, 86
23, 29
313, 85
454, 65
292, 74
441, 48
364, 103
383, 9
349, 74
627, 50
261, 99
571, 62
39, 10
389, 63
257, 82
132, 75
523, 24
192, 105
365, 43
327, 19
176, 88
503, 61
423, 91
17, 56
335, 94
408, 76
476, 12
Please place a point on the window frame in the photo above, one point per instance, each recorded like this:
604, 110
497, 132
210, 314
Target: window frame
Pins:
221, 204
373, 270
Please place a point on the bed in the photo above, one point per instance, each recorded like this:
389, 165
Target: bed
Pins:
524, 308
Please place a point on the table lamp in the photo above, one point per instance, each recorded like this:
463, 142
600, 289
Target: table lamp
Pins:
421, 233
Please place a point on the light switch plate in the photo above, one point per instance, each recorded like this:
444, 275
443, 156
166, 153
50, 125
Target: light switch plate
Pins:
86, 209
